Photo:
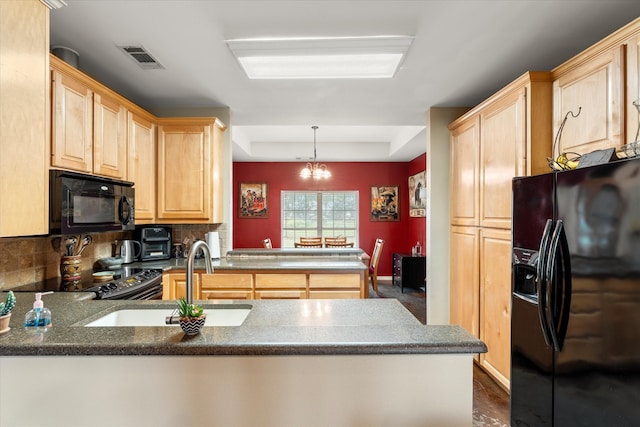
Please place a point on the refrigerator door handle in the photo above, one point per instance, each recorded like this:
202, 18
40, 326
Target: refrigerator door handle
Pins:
542, 282
558, 313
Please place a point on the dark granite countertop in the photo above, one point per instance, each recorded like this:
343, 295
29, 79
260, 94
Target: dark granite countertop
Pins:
305, 263
274, 327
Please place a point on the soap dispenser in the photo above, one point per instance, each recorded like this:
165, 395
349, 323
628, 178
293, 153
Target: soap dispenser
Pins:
39, 317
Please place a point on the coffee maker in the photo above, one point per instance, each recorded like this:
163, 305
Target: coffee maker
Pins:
155, 242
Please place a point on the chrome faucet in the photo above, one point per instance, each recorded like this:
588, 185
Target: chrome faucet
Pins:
190, 259
172, 319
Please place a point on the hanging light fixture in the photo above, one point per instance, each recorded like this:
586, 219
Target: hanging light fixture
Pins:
315, 170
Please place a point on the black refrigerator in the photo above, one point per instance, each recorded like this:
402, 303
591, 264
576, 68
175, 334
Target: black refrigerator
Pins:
575, 315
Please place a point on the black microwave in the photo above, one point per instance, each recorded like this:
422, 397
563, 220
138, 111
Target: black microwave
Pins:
80, 203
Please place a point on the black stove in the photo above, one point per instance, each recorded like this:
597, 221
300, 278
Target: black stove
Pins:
128, 283
140, 285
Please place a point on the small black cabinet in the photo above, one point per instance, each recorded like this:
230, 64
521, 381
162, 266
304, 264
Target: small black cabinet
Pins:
409, 270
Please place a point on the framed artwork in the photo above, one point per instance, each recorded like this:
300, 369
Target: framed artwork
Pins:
417, 195
253, 200
384, 203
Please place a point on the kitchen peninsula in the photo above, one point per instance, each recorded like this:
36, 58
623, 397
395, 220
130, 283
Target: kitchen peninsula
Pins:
273, 274
290, 363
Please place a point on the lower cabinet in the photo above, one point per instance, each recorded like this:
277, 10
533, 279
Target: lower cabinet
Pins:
334, 286
480, 293
239, 285
495, 302
281, 286
226, 286
174, 286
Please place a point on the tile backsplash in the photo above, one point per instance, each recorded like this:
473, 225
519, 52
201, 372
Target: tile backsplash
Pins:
25, 260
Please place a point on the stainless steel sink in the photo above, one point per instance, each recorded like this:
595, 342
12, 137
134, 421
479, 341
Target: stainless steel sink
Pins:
218, 315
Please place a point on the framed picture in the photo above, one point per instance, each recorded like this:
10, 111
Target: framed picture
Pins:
417, 195
253, 200
384, 203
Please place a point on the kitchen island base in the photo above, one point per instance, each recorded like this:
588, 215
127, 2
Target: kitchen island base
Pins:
310, 390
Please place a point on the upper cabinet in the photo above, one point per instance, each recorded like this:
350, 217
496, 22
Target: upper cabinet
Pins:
633, 88
189, 163
109, 137
508, 135
141, 164
601, 82
595, 89
465, 165
88, 123
24, 118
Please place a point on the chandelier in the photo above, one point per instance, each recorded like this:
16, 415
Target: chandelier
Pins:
315, 170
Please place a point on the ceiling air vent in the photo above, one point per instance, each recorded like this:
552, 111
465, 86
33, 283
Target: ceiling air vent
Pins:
141, 57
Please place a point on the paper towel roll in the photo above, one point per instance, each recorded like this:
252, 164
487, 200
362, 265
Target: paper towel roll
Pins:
213, 241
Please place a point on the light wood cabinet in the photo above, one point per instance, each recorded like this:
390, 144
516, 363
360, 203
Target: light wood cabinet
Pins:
174, 286
72, 124
186, 170
281, 286
465, 175
335, 286
268, 284
141, 165
109, 137
495, 302
507, 135
633, 88
24, 118
502, 156
596, 85
464, 299
88, 124
226, 286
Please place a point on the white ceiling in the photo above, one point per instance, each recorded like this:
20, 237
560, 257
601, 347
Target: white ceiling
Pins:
464, 50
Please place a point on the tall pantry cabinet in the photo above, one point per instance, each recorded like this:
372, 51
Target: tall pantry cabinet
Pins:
24, 118
505, 136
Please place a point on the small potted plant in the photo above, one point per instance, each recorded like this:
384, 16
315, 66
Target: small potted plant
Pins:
192, 317
5, 311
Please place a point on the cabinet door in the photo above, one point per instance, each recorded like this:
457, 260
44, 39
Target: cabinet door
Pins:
142, 166
502, 156
598, 87
281, 294
24, 119
174, 286
342, 285
72, 124
109, 137
495, 302
465, 288
633, 89
465, 173
184, 173
226, 286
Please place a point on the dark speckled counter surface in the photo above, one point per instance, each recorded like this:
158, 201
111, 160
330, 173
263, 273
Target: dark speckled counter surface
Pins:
274, 327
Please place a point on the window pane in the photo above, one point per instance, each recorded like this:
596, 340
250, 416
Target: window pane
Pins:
313, 214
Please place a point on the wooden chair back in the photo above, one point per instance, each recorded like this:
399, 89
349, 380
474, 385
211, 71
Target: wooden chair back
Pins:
374, 262
309, 242
337, 242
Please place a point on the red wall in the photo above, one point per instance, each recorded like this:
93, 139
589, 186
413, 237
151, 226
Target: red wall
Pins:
399, 236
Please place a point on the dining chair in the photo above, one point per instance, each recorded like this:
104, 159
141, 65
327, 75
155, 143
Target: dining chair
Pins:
267, 243
373, 263
309, 242
337, 242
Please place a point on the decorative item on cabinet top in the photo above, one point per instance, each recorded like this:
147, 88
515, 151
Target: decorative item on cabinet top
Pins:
563, 161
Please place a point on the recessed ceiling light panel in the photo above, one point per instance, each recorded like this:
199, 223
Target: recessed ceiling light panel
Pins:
325, 58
